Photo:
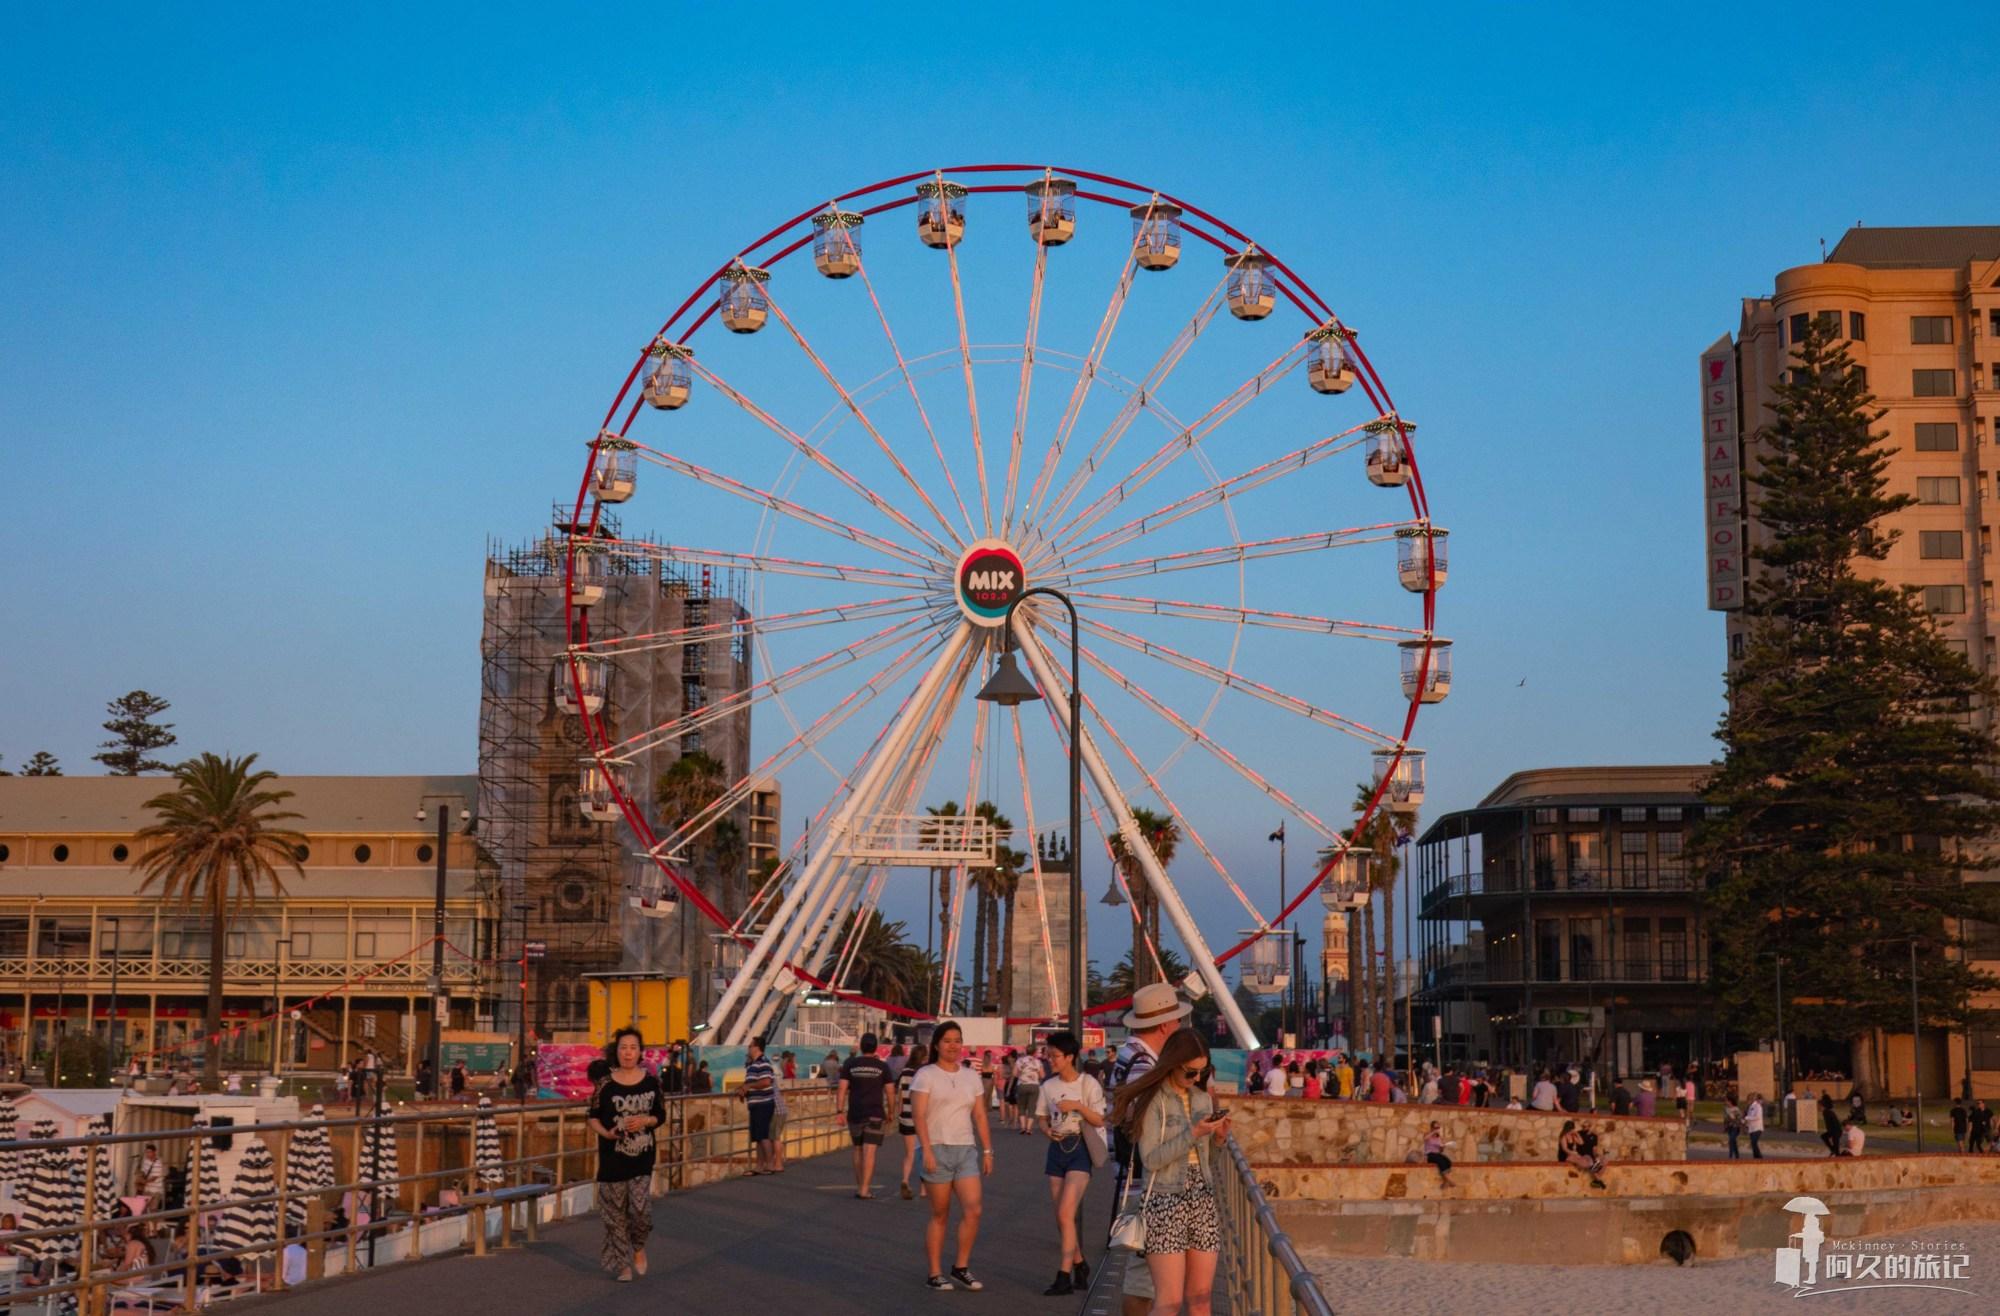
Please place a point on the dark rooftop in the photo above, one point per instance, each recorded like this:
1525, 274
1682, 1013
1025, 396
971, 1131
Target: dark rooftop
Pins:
1944, 248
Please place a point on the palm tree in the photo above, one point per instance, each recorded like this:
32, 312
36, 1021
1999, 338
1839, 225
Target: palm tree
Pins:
1380, 838
885, 965
1007, 865
990, 886
216, 845
934, 836
689, 786
1120, 982
725, 850
1162, 835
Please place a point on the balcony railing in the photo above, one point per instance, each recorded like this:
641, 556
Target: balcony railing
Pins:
137, 969
1478, 973
1668, 879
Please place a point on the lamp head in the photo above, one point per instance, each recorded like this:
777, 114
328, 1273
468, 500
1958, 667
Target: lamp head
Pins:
1008, 686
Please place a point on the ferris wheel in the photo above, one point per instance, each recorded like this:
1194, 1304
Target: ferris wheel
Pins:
1060, 379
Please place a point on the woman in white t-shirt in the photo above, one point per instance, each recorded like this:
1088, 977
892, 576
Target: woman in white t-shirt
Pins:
1071, 1104
957, 1147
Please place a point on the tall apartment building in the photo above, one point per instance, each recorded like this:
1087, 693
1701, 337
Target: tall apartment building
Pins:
1919, 309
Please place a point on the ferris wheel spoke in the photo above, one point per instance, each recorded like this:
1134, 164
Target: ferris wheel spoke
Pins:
783, 506
1212, 496
1024, 388
1231, 615
739, 702
1160, 792
1100, 450
854, 406
923, 414
781, 566
1236, 681
747, 626
1318, 541
1212, 420
971, 390
1085, 377
818, 458
801, 742
1200, 737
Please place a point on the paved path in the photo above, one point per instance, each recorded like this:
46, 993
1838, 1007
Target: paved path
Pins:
795, 1242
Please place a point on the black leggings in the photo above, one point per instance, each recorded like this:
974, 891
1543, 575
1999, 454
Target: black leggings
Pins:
1442, 1161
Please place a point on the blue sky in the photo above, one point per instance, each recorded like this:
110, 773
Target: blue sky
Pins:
300, 311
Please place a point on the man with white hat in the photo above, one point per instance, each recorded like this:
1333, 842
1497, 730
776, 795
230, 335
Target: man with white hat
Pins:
1157, 1011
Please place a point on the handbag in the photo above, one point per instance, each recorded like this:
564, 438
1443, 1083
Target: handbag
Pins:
1093, 1143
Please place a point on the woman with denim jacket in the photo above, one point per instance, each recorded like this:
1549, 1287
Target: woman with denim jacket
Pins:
1172, 1121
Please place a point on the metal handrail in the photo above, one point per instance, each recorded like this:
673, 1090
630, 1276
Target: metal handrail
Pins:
1266, 1280
677, 1149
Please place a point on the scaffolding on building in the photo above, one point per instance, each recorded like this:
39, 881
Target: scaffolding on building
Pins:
563, 879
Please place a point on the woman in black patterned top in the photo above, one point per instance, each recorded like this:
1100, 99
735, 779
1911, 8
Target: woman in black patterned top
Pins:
624, 1110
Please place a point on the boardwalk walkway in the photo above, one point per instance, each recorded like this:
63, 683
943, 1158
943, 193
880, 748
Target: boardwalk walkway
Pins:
795, 1242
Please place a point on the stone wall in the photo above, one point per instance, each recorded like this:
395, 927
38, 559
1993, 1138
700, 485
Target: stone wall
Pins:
1550, 1214
1293, 1131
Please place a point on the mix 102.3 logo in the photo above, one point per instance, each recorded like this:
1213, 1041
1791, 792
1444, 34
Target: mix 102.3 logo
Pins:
990, 579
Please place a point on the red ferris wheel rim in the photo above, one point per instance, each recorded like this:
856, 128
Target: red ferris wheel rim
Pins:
1296, 290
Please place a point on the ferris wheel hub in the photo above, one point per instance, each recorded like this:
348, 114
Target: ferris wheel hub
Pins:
990, 578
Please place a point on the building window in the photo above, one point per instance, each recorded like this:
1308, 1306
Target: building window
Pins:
1669, 813
1939, 490
1937, 436
364, 945
1548, 949
1545, 862
1859, 374
1829, 321
424, 854
362, 854
1585, 861
1930, 328
1986, 1048
61, 853
13, 938
1583, 950
1635, 868
120, 853
1583, 815
1993, 319
1857, 326
1799, 328
1738, 641
1944, 599
1638, 948
1934, 383
1982, 940
1673, 950
1673, 868
56, 938
1545, 816
1941, 544
1632, 815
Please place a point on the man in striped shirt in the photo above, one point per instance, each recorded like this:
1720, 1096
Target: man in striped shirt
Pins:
760, 1096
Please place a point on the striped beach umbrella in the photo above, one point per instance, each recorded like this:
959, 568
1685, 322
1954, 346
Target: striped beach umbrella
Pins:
51, 1199
208, 1169
308, 1166
251, 1224
486, 1144
106, 1187
14, 1165
375, 1160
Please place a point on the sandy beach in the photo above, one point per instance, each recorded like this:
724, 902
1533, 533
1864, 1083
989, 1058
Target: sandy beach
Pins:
1739, 1285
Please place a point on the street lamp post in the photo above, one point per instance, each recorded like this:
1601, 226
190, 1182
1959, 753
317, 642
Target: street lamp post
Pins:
111, 1025
521, 1047
1009, 687
439, 1001
1285, 931
283, 946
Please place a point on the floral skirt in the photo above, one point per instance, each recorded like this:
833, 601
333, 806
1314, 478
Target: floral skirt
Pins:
1183, 1221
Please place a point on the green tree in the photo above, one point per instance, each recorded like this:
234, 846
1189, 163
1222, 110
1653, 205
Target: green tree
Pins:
1120, 983
942, 835
1162, 835
1379, 836
885, 966
43, 764
216, 846
1854, 778
135, 736
726, 852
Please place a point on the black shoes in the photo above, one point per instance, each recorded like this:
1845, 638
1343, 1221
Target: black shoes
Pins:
1079, 1276
965, 1279
1061, 1287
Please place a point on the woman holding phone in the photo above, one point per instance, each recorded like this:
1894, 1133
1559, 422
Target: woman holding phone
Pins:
1174, 1122
1071, 1107
957, 1149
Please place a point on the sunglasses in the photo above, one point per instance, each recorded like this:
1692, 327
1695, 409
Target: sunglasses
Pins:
1193, 1073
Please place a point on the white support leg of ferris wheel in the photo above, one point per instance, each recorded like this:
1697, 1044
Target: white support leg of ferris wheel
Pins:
759, 960
820, 922
1170, 899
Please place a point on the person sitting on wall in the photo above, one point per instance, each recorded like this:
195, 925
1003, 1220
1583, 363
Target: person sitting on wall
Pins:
1577, 1148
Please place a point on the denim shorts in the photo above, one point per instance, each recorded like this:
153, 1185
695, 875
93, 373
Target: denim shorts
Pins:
1070, 1155
953, 1164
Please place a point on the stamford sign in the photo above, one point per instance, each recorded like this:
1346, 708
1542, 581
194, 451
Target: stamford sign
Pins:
990, 578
